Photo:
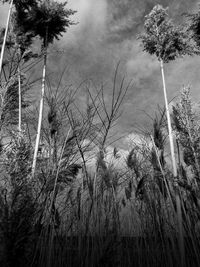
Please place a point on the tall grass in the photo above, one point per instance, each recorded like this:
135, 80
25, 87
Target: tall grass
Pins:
89, 205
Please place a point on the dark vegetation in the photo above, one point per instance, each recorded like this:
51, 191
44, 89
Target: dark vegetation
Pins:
72, 199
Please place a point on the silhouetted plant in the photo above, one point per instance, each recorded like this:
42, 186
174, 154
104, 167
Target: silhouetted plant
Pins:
167, 42
48, 21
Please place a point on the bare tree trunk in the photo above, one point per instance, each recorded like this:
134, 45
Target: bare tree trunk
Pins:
178, 201
20, 100
5, 36
40, 113
169, 123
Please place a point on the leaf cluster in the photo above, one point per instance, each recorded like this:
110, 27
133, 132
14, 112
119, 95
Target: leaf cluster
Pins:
47, 19
162, 38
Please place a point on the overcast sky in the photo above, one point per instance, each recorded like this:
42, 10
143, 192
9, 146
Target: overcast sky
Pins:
106, 33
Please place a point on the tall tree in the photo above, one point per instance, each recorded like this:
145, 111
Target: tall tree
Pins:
167, 42
48, 20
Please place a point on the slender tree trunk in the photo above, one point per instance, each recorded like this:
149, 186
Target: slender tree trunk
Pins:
178, 202
169, 122
40, 112
20, 100
5, 36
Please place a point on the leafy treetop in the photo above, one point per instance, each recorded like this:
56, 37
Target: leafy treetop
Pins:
47, 19
162, 38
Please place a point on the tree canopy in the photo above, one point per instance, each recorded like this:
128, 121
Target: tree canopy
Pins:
47, 19
162, 38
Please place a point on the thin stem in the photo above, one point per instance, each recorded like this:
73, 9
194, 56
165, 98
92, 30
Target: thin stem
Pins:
168, 122
40, 113
20, 100
178, 202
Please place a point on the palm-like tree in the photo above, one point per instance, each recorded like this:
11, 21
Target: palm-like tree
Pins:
167, 42
48, 20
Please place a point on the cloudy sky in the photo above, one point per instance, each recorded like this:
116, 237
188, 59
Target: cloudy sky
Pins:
106, 34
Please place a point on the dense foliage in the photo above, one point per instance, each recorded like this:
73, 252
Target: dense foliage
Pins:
162, 38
